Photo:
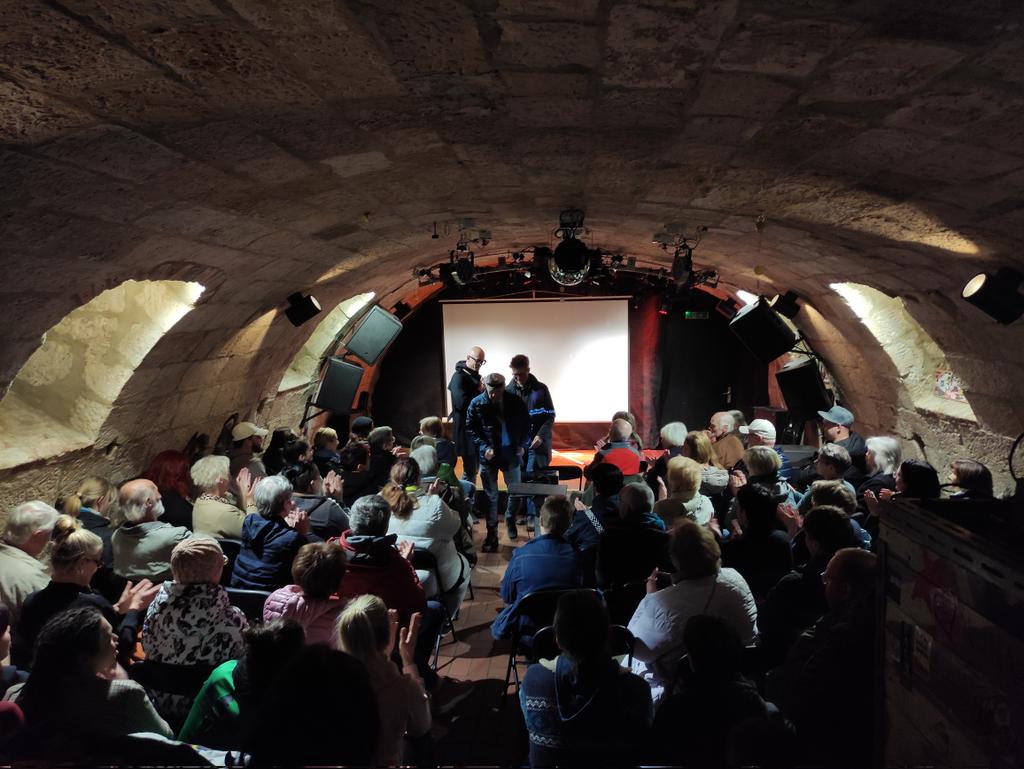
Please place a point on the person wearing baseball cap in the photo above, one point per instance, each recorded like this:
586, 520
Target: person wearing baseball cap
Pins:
837, 427
247, 440
761, 432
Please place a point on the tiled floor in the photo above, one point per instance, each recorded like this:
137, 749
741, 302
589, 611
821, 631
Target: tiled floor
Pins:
481, 730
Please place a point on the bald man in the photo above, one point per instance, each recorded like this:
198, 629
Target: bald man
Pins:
464, 386
142, 546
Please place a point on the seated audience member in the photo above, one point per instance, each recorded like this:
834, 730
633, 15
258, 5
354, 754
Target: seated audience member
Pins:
620, 450
421, 440
701, 586
26, 535
588, 523
74, 558
762, 554
673, 437
634, 438
325, 450
92, 504
382, 456
215, 513
319, 498
714, 479
246, 443
837, 427
368, 630
330, 694
684, 500
827, 683
914, 479
692, 728
9, 674
825, 493
191, 621
831, 464
355, 455
375, 565
634, 542
451, 491
798, 599
973, 480
446, 453
583, 708
232, 694
273, 456
761, 432
311, 599
296, 451
169, 470
722, 432
142, 546
77, 693
882, 459
271, 537
760, 465
547, 562
422, 518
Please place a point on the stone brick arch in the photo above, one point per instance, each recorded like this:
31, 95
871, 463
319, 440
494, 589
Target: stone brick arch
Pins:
62, 395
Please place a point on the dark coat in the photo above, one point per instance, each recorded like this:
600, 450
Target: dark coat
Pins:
464, 387
629, 550
762, 558
484, 425
538, 402
544, 563
269, 546
375, 567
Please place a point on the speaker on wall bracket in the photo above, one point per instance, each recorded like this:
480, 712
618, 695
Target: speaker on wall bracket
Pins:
337, 389
376, 331
803, 389
763, 331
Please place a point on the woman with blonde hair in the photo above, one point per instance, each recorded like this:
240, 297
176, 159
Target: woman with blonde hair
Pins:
422, 518
75, 555
94, 504
714, 478
684, 498
367, 630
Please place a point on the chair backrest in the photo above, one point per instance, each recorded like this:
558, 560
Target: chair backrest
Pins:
620, 642
622, 600
424, 560
231, 548
249, 601
567, 472
544, 645
165, 677
538, 608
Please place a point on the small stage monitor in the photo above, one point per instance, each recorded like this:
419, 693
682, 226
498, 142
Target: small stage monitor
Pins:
376, 331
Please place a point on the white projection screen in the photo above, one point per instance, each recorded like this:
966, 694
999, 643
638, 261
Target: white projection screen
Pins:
579, 348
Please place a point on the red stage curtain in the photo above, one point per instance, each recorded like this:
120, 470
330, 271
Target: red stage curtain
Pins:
644, 367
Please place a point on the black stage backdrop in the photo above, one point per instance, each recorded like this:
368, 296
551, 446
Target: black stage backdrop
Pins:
681, 370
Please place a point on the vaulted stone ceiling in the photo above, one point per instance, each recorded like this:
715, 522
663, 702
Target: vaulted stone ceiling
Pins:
263, 147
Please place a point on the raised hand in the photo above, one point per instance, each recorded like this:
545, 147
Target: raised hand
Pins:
298, 520
245, 483
652, 581
392, 628
436, 487
489, 454
405, 548
662, 489
737, 480
407, 640
136, 597
789, 517
334, 485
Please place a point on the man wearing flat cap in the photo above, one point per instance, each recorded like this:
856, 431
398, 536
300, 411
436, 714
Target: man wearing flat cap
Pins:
499, 426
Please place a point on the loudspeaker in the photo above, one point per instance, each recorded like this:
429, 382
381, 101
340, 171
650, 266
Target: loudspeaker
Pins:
762, 331
377, 330
339, 386
803, 389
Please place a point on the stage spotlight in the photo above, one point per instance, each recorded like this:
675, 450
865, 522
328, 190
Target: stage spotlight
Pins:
997, 295
570, 263
785, 304
301, 308
464, 271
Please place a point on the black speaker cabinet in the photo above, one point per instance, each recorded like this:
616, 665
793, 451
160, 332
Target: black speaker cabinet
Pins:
803, 389
338, 388
763, 331
376, 331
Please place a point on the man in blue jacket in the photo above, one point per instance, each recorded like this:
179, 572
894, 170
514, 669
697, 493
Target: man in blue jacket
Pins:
500, 429
545, 563
537, 398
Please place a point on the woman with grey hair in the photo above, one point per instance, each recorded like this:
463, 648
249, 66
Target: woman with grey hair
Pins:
271, 537
25, 536
215, 512
882, 459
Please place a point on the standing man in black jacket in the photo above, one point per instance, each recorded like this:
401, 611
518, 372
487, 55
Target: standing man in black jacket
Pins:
537, 398
464, 387
500, 428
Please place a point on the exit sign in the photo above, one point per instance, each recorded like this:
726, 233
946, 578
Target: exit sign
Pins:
696, 315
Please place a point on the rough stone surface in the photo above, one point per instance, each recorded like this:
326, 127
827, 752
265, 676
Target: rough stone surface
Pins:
261, 148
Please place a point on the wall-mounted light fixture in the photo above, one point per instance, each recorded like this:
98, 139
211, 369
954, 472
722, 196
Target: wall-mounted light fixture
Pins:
997, 295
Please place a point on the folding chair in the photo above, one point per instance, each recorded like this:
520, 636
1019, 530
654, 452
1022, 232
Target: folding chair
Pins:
231, 548
623, 599
250, 602
568, 473
424, 560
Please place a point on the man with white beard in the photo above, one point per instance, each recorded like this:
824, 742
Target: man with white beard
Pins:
142, 545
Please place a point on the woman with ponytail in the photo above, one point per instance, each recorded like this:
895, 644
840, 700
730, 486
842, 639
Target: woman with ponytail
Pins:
75, 555
583, 708
368, 630
94, 504
421, 517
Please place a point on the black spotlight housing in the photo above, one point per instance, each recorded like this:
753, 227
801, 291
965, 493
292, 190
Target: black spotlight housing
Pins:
301, 307
997, 295
786, 304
